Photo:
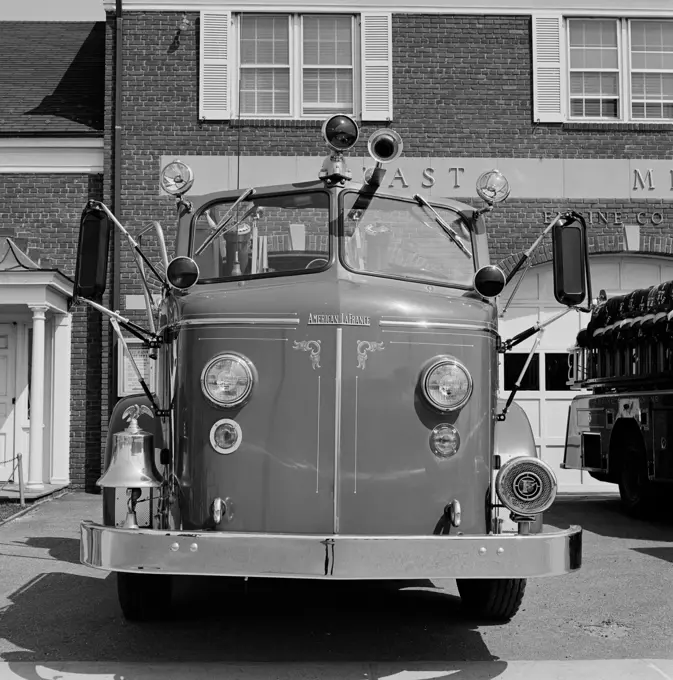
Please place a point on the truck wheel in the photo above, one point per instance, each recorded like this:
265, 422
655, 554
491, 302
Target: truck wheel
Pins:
144, 597
492, 599
635, 489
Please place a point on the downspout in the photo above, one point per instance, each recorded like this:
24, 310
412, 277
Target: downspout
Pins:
116, 202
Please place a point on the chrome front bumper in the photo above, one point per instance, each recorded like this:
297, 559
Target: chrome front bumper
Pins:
330, 557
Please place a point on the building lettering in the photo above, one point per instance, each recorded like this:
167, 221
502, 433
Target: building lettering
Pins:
612, 217
456, 177
429, 178
400, 176
638, 180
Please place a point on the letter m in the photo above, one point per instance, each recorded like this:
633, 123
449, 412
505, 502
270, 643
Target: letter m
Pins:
639, 182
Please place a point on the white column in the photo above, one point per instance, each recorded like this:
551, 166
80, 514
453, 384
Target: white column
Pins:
35, 464
60, 448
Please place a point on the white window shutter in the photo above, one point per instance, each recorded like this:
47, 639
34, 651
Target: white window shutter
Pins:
548, 77
377, 67
215, 77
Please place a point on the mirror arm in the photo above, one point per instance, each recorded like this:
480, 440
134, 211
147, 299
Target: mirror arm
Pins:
130, 239
526, 255
141, 333
143, 384
147, 294
160, 238
539, 326
503, 415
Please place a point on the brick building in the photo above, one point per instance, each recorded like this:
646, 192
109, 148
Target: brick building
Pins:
51, 161
574, 106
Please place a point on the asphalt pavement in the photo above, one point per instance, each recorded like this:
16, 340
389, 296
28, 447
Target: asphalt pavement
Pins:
611, 619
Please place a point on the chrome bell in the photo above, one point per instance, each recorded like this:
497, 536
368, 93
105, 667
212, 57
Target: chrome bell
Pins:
132, 461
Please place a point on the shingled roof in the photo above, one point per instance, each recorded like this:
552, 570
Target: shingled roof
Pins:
52, 78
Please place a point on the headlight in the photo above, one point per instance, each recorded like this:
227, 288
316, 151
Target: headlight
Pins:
526, 485
446, 384
227, 379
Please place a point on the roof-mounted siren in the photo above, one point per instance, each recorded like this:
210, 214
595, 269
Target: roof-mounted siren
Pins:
384, 145
340, 132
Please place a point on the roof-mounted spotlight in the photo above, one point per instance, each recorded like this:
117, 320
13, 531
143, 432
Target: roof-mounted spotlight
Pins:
492, 187
176, 178
340, 132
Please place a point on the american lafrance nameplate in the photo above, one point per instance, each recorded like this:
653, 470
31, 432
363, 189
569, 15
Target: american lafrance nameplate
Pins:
341, 319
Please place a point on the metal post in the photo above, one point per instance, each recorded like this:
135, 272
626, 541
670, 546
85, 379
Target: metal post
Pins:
22, 499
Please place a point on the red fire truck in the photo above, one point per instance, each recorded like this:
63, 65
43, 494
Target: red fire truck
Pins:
620, 432
326, 399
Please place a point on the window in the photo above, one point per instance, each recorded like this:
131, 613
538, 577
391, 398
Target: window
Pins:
594, 69
286, 234
514, 364
319, 75
603, 70
282, 65
399, 239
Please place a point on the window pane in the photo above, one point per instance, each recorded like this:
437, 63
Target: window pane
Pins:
638, 110
610, 108
328, 86
265, 40
556, 371
265, 91
513, 364
668, 111
327, 41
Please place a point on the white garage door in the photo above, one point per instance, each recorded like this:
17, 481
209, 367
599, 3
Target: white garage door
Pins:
543, 394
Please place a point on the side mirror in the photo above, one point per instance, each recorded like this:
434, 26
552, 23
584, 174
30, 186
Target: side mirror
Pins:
92, 253
570, 260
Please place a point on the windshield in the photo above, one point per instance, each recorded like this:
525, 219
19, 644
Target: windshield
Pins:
403, 239
262, 236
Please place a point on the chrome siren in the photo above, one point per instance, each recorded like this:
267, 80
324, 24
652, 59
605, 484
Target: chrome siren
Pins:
384, 146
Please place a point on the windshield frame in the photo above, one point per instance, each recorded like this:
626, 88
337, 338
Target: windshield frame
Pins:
258, 195
411, 201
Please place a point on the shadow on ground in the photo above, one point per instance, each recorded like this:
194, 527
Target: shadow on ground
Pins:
607, 518
229, 620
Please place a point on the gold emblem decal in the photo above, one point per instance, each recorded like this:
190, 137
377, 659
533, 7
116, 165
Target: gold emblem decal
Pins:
312, 346
340, 319
365, 346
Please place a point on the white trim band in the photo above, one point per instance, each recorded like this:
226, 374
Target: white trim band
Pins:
51, 155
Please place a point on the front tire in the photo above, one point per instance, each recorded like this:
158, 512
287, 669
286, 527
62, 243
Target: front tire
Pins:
492, 599
144, 597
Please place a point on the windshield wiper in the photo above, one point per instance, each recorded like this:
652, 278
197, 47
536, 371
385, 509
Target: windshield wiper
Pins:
451, 233
219, 228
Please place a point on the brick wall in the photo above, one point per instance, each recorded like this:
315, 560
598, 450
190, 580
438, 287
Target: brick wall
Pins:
41, 213
471, 76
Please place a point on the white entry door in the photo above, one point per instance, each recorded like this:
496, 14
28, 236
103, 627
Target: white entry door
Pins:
543, 394
7, 398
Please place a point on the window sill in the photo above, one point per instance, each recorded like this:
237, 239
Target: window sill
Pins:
267, 122
618, 126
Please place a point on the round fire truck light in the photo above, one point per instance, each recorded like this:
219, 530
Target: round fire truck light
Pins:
526, 485
493, 186
226, 436
446, 384
227, 380
182, 272
489, 281
340, 132
444, 441
176, 178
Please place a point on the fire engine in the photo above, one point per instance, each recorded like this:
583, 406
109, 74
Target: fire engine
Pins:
326, 402
619, 432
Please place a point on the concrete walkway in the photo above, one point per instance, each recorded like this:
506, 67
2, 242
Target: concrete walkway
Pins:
60, 621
